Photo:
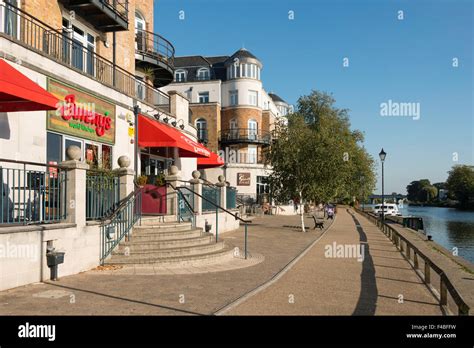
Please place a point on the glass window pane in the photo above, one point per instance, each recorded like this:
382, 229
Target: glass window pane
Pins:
54, 148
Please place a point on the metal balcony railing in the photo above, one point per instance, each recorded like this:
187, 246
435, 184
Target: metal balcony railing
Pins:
26, 30
154, 49
244, 135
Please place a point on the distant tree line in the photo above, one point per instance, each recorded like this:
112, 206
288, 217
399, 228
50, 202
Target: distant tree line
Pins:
460, 187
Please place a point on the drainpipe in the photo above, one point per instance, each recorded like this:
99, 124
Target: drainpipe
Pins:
114, 41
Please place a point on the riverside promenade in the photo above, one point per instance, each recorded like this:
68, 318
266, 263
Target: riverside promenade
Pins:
310, 284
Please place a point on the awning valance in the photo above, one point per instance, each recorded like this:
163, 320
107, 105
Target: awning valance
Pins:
155, 134
211, 162
19, 93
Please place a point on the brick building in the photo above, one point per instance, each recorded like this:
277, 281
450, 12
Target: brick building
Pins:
233, 114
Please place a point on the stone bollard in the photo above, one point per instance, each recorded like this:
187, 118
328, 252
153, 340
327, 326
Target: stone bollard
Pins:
75, 186
126, 177
197, 187
171, 195
223, 191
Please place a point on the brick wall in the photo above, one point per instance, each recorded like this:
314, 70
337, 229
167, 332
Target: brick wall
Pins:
211, 112
242, 115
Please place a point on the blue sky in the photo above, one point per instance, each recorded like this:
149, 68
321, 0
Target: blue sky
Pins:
406, 61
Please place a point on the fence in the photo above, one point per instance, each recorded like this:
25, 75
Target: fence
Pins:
102, 194
212, 198
416, 258
32, 195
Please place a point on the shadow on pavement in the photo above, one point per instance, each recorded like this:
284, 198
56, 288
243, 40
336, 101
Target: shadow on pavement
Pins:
367, 302
126, 299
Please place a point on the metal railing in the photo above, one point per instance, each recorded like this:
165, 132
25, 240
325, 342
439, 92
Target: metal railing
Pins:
118, 225
231, 197
118, 6
185, 207
414, 256
245, 135
32, 193
213, 197
155, 46
102, 194
217, 208
57, 45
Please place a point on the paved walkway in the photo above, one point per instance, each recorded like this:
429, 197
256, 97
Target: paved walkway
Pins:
382, 284
314, 285
146, 292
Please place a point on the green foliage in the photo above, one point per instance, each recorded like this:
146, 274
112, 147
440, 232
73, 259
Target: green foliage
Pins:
421, 191
460, 183
142, 180
318, 156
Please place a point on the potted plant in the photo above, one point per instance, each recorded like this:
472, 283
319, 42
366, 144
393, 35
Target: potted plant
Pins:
142, 180
160, 180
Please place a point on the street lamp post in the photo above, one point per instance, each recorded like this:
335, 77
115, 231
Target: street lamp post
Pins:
382, 155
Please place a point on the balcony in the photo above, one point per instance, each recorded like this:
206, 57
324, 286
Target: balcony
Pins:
244, 136
104, 15
27, 31
156, 53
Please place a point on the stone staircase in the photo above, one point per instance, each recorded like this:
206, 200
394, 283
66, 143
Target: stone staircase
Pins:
167, 243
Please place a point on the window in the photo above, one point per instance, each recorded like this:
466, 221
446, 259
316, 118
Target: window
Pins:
54, 148
81, 51
140, 39
253, 98
234, 132
233, 97
252, 129
203, 74
203, 97
201, 125
106, 157
252, 154
180, 76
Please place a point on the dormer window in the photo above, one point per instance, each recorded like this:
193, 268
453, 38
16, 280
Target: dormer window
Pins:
203, 74
180, 75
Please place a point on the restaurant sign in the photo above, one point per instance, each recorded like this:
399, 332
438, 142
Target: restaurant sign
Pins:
243, 179
81, 114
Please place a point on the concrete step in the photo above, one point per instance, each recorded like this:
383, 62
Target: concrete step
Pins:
140, 236
157, 253
139, 245
217, 256
154, 220
163, 227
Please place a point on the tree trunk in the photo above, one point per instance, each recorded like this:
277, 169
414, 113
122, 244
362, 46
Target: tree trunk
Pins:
302, 212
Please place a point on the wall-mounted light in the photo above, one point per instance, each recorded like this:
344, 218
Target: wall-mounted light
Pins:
166, 119
182, 124
174, 123
157, 116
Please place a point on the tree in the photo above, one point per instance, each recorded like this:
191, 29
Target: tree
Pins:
416, 191
461, 184
316, 156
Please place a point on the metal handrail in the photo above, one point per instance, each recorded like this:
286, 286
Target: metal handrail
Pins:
39, 36
124, 217
246, 222
445, 284
114, 6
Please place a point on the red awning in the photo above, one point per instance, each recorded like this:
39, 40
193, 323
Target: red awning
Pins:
19, 93
155, 134
214, 161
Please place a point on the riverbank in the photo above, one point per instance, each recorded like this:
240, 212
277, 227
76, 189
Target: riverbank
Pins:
441, 205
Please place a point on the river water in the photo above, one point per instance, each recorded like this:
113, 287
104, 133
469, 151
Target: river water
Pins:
449, 227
